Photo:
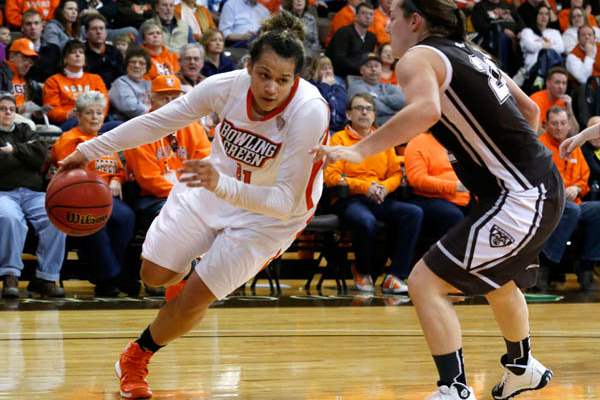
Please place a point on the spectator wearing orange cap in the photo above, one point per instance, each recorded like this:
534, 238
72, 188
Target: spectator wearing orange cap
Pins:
153, 165
13, 71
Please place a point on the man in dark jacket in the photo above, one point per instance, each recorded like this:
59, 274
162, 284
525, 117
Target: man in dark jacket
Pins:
22, 156
352, 43
100, 57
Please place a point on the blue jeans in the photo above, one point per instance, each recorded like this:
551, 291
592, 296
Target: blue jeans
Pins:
439, 215
403, 221
586, 214
16, 208
105, 249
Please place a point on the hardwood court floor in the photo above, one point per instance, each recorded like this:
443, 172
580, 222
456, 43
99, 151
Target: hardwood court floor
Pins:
329, 353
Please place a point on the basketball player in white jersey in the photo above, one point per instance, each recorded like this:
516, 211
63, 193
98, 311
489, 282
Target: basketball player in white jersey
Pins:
241, 207
488, 124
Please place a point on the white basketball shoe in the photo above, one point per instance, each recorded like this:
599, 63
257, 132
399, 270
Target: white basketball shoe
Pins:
536, 376
456, 391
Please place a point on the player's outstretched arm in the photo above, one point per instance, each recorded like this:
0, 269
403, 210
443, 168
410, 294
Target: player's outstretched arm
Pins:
206, 97
570, 144
528, 107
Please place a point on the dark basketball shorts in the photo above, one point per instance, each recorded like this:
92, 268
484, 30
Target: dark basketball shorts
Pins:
500, 239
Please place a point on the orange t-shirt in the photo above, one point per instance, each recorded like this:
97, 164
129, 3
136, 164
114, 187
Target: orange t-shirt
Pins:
392, 80
16, 8
18, 83
573, 170
108, 167
429, 171
542, 99
165, 63
379, 27
152, 162
383, 168
60, 93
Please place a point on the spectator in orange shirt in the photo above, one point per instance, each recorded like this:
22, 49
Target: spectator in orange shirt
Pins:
62, 89
370, 184
381, 19
555, 94
16, 8
13, 72
438, 191
575, 173
154, 165
104, 249
164, 62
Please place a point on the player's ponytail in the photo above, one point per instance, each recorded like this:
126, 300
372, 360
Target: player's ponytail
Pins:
442, 16
283, 33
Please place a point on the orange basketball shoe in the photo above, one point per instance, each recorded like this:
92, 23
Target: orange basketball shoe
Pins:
132, 369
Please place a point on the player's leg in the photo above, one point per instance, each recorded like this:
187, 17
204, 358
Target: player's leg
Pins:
523, 371
234, 256
440, 324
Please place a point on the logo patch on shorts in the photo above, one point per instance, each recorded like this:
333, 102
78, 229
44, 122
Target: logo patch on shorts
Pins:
499, 237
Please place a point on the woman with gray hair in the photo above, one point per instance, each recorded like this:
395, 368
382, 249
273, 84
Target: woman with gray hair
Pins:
105, 249
164, 62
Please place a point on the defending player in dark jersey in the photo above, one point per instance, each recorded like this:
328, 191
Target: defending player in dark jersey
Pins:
483, 118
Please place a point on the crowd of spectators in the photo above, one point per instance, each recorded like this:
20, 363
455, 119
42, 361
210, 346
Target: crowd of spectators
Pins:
86, 66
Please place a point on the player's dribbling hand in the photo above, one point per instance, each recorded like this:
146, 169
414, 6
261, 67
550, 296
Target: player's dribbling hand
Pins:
74, 160
336, 153
116, 188
199, 173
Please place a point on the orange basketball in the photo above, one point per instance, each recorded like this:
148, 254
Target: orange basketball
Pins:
78, 202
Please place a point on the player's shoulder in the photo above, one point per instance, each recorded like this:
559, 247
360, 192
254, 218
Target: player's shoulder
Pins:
308, 95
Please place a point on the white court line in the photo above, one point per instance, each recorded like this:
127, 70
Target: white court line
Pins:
274, 332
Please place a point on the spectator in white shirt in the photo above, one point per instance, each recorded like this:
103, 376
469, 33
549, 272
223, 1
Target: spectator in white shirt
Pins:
576, 21
534, 39
240, 21
583, 60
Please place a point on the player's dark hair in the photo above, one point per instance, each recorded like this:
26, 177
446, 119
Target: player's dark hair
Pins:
282, 33
442, 16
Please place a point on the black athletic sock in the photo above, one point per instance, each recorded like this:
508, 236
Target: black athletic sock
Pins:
517, 353
146, 342
451, 368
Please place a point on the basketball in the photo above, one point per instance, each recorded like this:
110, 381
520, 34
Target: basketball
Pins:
78, 202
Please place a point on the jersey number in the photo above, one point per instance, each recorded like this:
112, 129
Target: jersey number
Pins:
243, 174
496, 80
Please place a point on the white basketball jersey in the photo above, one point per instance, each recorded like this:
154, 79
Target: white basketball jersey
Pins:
267, 176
